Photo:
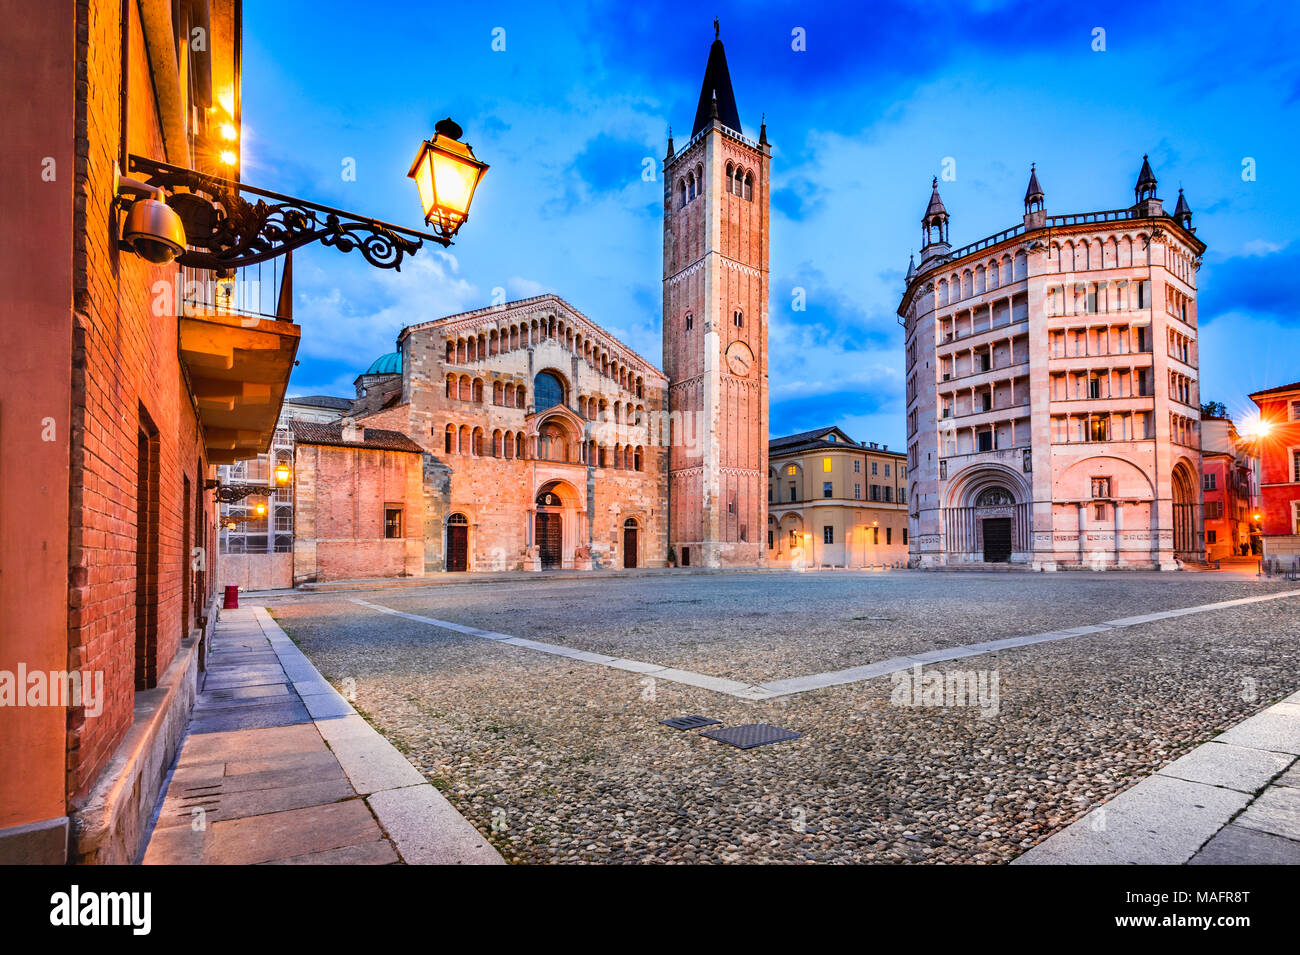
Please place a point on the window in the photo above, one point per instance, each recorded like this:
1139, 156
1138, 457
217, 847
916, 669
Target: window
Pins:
857, 492
1099, 511
690, 321
738, 318
1211, 537
889, 535
873, 467
1295, 411
857, 467
875, 535
392, 522
791, 470
770, 542
1213, 510
826, 489
1210, 481
886, 469
793, 493
1099, 428
986, 440
828, 534
826, 465
548, 390
1101, 487
904, 535
1295, 465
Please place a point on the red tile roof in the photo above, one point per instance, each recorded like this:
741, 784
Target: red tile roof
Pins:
331, 435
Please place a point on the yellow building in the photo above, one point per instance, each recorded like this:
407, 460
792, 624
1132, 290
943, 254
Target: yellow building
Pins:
833, 502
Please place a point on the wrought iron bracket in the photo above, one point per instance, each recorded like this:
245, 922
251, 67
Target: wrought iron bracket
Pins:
226, 231
234, 493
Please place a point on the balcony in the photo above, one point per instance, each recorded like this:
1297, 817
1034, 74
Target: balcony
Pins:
238, 343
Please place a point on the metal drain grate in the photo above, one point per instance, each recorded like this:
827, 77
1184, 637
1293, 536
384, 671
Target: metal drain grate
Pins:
751, 735
690, 722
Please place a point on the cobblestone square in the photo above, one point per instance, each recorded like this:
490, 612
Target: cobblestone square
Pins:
558, 759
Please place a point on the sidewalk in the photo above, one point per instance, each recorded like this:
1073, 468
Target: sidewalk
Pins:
276, 766
1232, 801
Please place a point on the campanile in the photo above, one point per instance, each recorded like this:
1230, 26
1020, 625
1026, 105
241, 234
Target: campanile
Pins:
715, 331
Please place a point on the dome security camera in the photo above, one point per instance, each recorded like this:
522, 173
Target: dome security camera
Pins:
153, 231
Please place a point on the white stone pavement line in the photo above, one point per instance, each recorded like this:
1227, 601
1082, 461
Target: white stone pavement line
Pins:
423, 825
765, 691
1166, 818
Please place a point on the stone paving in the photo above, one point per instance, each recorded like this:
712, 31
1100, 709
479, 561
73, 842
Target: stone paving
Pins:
557, 759
1232, 801
277, 767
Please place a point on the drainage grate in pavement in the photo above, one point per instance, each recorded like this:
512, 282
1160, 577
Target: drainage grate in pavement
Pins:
752, 734
690, 722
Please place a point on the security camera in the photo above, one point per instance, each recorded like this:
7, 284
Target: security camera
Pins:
153, 230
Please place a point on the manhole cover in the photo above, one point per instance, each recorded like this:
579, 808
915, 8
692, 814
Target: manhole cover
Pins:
751, 735
690, 722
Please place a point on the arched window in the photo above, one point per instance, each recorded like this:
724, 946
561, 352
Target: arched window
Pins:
690, 321
497, 450
749, 186
681, 191
639, 458
551, 443
548, 390
478, 442
478, 389
738, 318
451, 438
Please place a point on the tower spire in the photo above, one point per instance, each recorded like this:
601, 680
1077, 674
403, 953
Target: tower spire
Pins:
717, 85
934, 225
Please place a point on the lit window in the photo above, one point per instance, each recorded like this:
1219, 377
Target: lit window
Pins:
828, 534
790, 470
392, 522
826, 465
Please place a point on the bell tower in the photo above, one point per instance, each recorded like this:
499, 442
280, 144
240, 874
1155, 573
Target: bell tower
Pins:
716, 223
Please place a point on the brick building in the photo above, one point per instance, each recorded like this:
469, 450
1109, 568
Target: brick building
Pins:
1227, 489
833, 502
358, 502
1052, 400
108, 533
1278, 436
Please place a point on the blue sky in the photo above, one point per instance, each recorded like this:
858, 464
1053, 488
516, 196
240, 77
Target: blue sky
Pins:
859, 121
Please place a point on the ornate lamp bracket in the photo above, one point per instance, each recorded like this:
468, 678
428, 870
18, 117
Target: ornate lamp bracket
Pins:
234, 493
225, 231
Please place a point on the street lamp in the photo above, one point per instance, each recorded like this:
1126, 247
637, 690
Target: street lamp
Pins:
282, 474
446, 173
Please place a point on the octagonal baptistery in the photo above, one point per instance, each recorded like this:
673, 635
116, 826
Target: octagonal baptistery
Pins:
1053, 408
546, 440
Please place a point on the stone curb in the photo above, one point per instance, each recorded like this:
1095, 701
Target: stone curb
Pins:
1167, 818
424, 826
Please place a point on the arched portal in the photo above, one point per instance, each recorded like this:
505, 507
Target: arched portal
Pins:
556, 525
630, 542
457, 543
1183, 488
987, 518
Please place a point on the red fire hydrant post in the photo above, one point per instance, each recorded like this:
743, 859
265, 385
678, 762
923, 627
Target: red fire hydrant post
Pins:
232, 598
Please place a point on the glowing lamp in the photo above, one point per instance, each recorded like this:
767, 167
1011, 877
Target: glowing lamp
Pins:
446, 173
282, 474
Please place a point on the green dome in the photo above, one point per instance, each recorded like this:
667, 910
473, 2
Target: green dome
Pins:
390, 364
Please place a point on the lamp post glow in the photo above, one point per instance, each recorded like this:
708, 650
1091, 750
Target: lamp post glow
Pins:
446, 173
282, 474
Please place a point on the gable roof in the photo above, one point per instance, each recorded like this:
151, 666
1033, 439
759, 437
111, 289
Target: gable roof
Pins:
497, 313
331, 435
322, 401
1294, 386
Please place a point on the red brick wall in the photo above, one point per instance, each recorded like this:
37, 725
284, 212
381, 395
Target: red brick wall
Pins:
339, 498
124, 361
